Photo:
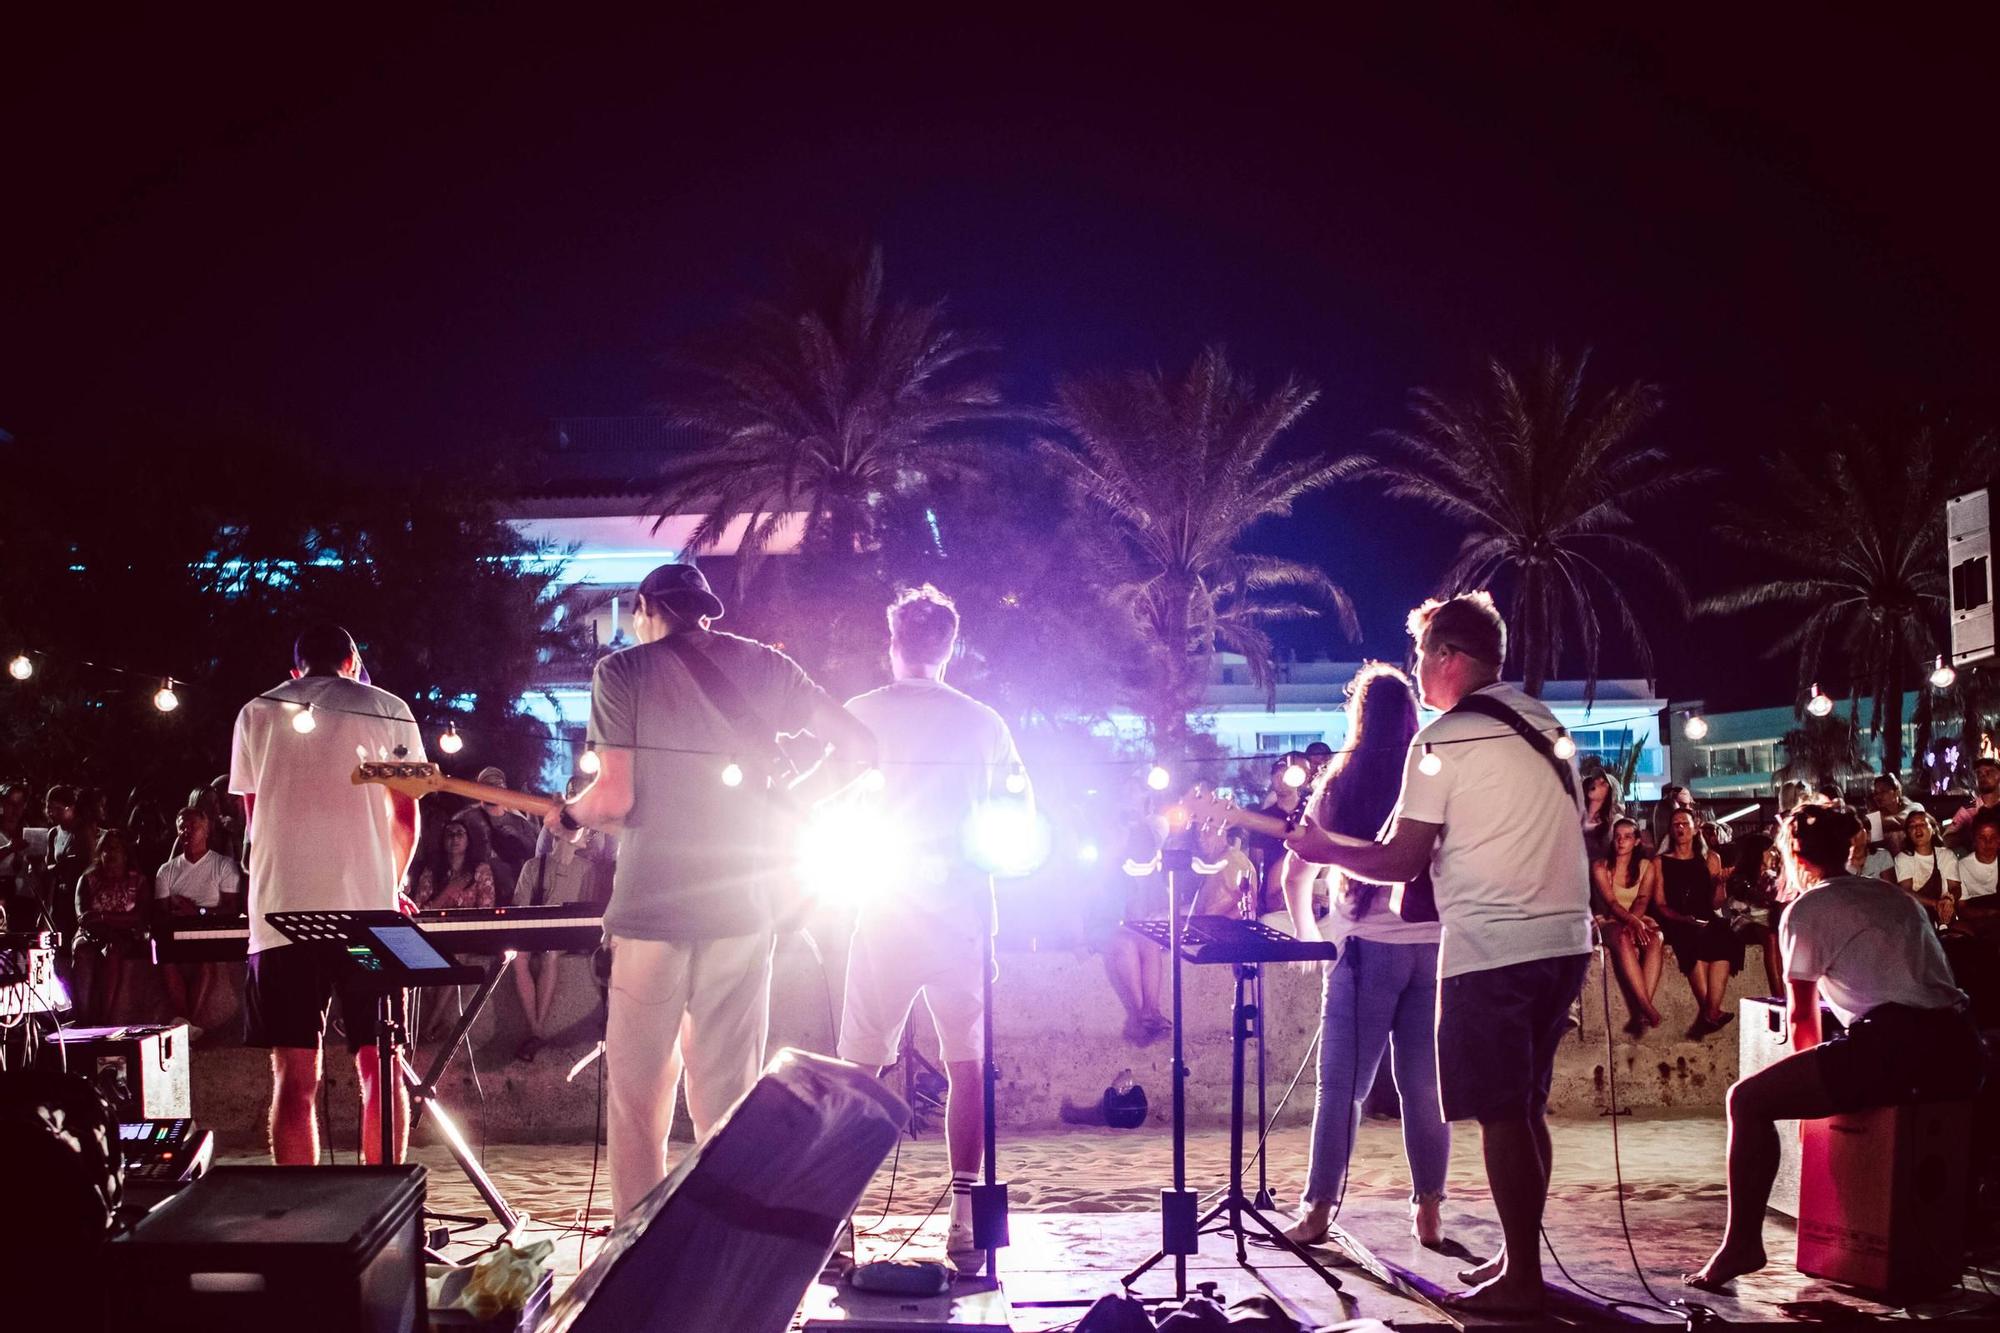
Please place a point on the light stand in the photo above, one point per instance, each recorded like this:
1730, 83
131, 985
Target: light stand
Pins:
989, 1200
1180, 1233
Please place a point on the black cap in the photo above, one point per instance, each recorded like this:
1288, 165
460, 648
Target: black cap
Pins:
683, 590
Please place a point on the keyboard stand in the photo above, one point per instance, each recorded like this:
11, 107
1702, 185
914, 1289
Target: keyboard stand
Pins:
424, 1096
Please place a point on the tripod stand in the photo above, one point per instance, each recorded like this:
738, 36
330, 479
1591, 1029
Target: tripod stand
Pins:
1245, 945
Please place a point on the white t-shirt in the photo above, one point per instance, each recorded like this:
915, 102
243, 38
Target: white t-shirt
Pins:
201, 882
316, 839
1977, 878
1509, 870
1867, 944
1380, 922
943, 756
1917, 869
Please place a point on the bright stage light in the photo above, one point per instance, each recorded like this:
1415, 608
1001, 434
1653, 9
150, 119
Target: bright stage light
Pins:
1007, 839
1087, 853
588, 763
21, 668
1430, 765
1695, 728
1017, 779
1157, 778
732, 775
1818, 705
451, 742
304, 722
847, 854
1296, 775
1942, 675
874, 780
165, 699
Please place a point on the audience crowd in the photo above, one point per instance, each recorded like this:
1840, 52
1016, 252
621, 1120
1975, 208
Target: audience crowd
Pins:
107, 875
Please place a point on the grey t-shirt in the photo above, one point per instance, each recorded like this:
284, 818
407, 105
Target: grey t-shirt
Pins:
699, 860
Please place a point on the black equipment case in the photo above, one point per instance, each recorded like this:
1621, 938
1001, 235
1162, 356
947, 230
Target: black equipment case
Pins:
301, 1249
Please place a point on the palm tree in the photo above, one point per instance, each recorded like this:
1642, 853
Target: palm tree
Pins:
1860, 515
1183, 469
1821, 750
821, 403
1544, 482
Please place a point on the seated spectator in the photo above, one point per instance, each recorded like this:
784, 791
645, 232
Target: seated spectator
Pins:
109, 899
1222, 892
1925, 866
1689, 910
1985, 796
1979, 866
21, 855
1624, 881
1136, 967
1867, 950
511, 837
196, 880
1750, 902
560, 872
459, 873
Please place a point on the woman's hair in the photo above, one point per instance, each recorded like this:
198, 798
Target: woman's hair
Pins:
1357, 791
1700, 844
1821, 837
111, 837
476, 850
1746, 876
1910, 828
1614, 799
1610, 858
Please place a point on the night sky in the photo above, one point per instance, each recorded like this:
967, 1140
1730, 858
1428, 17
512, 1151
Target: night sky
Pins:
409, 239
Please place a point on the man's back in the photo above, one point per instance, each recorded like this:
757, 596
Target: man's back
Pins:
1509, 868
943, 755
697, 859
317, 840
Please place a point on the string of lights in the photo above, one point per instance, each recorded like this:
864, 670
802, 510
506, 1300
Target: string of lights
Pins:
1159, 777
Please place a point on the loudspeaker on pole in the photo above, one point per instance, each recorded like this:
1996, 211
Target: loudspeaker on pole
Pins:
1968, 523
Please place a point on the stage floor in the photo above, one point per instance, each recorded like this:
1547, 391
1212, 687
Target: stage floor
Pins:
1063, 1185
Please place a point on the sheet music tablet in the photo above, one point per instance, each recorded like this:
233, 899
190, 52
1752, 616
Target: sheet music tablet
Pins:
410, 948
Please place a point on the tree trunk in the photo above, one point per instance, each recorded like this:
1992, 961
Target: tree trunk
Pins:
1892, 734
1534, 632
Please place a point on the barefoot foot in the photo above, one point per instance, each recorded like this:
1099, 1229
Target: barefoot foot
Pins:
1310, 1229
1724, 1267
1482, 1273
1502, 1296
1425, 1223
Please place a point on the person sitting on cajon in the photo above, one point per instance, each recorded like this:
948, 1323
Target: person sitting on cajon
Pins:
1869, 950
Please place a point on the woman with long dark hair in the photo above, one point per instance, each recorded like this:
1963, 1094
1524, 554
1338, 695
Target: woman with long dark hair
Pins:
1689, 909
1626, 880
457, 872
1382, 993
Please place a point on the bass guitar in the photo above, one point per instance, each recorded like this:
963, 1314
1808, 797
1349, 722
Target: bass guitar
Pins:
416, 781
1414, 901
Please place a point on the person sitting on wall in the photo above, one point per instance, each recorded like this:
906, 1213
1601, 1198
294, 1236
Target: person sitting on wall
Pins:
1868, 949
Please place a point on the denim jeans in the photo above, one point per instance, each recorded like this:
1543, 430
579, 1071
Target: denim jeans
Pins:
1377, 996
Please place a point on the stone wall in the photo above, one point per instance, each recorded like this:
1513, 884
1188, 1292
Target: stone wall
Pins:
1059, 1039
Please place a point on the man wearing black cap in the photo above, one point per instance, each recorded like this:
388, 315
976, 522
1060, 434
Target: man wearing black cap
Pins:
685, 725
318, 841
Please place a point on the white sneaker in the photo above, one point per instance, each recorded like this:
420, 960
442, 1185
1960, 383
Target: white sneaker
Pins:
959, 1249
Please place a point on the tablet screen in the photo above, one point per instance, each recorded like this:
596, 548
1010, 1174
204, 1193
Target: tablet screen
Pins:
409, 946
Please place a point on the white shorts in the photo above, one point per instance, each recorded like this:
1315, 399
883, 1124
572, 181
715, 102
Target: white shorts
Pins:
894, 960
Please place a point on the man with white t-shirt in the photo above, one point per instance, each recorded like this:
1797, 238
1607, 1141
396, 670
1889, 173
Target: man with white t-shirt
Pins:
1979, 866
945, 759
195, 880
1494, 814
318, 841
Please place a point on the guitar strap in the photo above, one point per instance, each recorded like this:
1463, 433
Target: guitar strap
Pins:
759, 738
1487, 706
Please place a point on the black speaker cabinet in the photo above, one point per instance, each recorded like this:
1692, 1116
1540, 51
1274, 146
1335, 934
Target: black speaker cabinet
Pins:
301, 1249
732, 1239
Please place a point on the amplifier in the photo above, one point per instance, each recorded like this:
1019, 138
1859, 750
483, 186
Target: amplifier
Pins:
141, 1070
28, 980
306, 1249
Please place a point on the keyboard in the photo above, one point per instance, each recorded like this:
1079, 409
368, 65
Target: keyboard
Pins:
563, 928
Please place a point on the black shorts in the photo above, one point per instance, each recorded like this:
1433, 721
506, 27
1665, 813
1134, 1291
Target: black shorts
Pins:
286, 994
1497, 1034
1894, 1056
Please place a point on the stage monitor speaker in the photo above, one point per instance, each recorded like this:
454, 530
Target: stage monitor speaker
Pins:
304, 1249
141, 1069
734, 1237
1968, 526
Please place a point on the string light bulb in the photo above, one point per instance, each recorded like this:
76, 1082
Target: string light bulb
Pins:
1942, 675
588, 763
1157, 777
732, 774
20, 668
1565, 744
1695, 727
164, 698
1430, 765
451, 742
1295, 775
303, 721
1819, 705
1017, 779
